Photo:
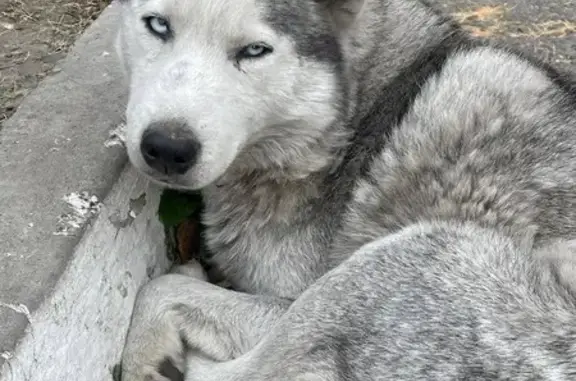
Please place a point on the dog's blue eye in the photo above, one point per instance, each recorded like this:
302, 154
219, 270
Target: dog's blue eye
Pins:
158, 26
254, 51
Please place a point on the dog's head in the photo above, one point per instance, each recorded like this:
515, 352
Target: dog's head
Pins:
211, 78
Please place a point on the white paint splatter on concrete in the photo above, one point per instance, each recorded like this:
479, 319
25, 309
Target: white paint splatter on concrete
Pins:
83, 207
116, 137
6, 355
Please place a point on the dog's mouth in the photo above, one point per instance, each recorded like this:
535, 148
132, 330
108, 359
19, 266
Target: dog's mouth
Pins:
175, 182
171, 181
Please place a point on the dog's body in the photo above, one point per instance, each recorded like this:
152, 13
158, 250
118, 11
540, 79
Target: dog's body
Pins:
352, 123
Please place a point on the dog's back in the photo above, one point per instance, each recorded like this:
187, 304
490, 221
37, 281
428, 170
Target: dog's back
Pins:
433, 302
490, 139
441, 301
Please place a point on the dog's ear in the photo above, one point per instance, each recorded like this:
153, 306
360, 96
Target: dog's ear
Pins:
343, 12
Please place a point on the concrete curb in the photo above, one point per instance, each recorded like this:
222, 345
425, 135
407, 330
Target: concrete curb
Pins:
70, 265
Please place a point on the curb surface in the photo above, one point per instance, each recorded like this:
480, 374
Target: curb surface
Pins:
68, 278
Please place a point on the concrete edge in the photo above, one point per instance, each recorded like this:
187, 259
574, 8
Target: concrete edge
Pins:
78, 332
69, 273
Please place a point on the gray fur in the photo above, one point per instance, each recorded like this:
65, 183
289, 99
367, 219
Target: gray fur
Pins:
432, 302
411, 191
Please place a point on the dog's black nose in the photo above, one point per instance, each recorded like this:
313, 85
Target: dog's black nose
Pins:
169, 147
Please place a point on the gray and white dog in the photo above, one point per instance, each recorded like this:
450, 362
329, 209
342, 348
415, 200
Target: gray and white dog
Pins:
389, 199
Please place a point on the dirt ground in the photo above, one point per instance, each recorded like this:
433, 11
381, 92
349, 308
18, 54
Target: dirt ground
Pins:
34, 36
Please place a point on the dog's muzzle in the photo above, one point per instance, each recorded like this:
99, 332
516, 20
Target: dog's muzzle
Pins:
170, 147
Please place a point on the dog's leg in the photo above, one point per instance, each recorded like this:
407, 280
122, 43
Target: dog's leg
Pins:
181, 311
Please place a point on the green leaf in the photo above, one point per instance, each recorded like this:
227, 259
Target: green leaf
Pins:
175, 206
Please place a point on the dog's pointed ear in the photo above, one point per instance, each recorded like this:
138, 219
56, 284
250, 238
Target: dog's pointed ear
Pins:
343, 12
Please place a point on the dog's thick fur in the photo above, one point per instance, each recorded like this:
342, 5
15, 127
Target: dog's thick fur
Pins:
390, 199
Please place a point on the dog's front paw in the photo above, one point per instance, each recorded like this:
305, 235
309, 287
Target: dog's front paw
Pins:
153, 376
135, 368
154, 348
170, 371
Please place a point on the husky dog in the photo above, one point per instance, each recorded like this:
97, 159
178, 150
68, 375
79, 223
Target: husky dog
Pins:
390, 199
